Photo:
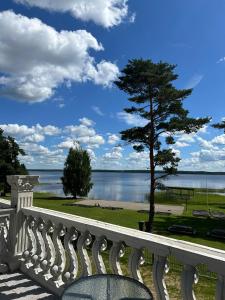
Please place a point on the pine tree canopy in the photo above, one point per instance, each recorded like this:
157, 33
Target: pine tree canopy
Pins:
220, 125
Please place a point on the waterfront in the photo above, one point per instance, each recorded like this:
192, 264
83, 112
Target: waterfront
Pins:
124, 186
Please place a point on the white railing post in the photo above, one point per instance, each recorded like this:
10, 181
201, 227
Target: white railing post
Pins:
21, 197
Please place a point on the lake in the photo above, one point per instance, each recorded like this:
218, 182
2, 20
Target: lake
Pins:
124, 186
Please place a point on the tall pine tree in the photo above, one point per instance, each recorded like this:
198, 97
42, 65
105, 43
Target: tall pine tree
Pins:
155, 99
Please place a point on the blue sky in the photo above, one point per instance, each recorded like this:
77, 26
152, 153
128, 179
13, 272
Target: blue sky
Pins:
58, 61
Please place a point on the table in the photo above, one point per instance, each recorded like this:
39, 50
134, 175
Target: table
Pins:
106, 287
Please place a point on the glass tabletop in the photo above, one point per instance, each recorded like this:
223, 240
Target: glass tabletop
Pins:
107, 287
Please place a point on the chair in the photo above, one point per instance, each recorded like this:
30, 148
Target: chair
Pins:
106, 287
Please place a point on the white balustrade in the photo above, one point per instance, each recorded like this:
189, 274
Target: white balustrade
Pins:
75, 245
61, 247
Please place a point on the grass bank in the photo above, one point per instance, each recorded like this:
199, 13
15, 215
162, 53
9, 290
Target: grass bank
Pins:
128, 218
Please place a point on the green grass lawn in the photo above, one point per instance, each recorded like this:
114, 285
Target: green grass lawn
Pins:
205, 289
130, 218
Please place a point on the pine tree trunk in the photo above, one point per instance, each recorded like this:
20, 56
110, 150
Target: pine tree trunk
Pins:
149, 227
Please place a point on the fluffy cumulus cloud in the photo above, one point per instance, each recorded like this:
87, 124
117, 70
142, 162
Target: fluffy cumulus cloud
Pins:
107, 13
84, 133
220, 139
42, 155
34, 133
113, 139
68, 143
137, 160
35, 58
131, 119
86, 122
115, 154
47, 146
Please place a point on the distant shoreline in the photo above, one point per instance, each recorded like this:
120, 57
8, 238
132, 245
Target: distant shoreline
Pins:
134, 171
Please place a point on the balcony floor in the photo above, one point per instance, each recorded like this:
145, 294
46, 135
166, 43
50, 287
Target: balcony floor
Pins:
17, 286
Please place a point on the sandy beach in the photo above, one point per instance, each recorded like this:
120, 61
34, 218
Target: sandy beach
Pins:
137, 206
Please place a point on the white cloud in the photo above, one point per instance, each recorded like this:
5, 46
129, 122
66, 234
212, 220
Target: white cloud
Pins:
68, 143
106, 13
203, 129
115, 154
34, 134
92, 141
205, 144
139, 156
16, 130
131, 119
194, 81
113, 139
79, 131
137, 160
86, 122
186, 138
91, 154
35, 138
84, 134
181, 144
222, 59
220, 139
97, 110
42, 156
132, 18
35, 58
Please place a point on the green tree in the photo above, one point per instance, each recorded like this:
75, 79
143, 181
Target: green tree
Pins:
150, 87
76, 178
9, 162
220, 125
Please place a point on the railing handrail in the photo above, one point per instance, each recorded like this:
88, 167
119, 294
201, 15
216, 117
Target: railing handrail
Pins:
6, 212
4, 203
182, 250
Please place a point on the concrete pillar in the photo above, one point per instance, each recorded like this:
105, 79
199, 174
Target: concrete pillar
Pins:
21, 196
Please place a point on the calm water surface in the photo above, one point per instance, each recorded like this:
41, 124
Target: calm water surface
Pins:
127, 186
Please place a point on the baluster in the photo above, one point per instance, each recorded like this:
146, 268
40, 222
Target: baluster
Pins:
32, 248
3, 239
3, 246
70, 237
160, 267
84, 241
49, 260
188, 278
41, 251
5, 227
136, 259
116, 252
7, 223
220, 287
60, 261
100, 245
